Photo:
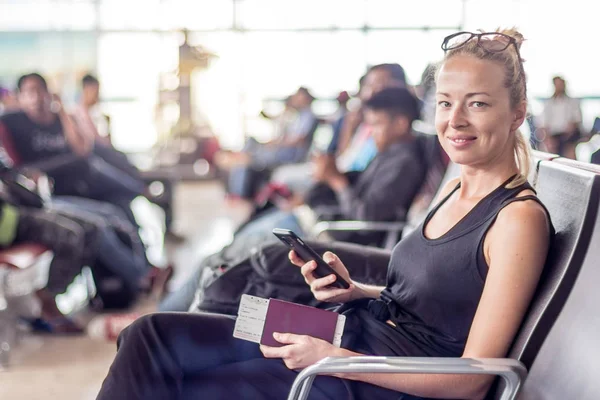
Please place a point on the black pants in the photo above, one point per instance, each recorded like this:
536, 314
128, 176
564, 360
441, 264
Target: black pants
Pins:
195, 356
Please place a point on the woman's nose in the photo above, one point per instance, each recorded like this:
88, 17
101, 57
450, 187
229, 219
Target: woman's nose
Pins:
458, 118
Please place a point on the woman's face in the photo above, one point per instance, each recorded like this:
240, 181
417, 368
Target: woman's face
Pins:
474, 120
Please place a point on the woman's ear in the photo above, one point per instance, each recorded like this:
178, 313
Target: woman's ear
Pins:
520, 114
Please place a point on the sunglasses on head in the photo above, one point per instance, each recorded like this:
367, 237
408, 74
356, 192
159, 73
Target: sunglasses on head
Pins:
493, 42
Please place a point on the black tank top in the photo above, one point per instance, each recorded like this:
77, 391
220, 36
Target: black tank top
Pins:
434, 285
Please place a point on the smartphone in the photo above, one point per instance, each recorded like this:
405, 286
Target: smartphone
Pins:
306, 253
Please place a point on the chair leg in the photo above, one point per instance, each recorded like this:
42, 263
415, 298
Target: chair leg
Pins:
7, 336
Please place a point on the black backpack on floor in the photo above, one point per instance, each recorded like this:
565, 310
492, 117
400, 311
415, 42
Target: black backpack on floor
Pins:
268, 273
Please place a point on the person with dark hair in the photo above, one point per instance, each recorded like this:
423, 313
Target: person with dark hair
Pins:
93, 123
90, 80
90, 120
383, 192
351, 143
356, 148
42, 128
42, 131
387, 187
88, 113
289, 147
458, 286
561, 121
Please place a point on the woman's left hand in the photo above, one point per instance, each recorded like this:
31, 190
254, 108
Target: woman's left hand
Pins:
300, 351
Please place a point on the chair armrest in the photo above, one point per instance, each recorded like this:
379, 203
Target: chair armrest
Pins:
393, 229
511, 371
328, 226
326, 212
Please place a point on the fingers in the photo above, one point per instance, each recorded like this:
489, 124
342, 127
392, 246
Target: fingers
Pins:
330, 258
273, 352
321, 283
330, 294
289, 338
297, 261
307, 271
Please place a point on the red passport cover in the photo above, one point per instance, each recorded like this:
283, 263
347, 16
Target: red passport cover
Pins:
286, 317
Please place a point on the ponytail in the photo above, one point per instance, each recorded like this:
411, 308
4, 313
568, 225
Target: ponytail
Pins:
523, 158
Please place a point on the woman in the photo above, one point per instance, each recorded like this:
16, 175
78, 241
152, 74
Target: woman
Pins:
458, 286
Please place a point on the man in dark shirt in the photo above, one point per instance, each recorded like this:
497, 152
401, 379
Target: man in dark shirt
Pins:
42, 135
42, 128
389, 184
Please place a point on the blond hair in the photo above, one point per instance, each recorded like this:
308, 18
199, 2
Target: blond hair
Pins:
515, 81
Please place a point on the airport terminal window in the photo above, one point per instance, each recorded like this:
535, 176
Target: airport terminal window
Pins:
165, 14
247, 76
411, 49
46, 15
129, 66
277, 14
196, 14
61, 56
423, 13
129, 15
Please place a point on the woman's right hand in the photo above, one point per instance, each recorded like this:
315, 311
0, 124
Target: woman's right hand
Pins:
320, 286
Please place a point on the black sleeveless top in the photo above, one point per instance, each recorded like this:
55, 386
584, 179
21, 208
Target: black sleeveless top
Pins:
433, 287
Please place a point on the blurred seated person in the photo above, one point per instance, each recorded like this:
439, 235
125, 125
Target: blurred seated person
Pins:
383, 192
76, 239
91, 122
89, 106
291, 145
282, 121
561, 121
292, 141
357, 147
351, 143
336, 119
65, 238
43, 131
109, 238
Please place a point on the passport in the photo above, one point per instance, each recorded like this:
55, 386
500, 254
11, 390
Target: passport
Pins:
258, 318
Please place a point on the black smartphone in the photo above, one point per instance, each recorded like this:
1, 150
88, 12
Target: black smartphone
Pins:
306, 253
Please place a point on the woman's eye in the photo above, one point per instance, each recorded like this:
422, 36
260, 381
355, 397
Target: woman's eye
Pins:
478, 104
443, 104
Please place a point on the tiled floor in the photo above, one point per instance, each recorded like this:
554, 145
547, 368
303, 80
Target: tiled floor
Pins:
73, 368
